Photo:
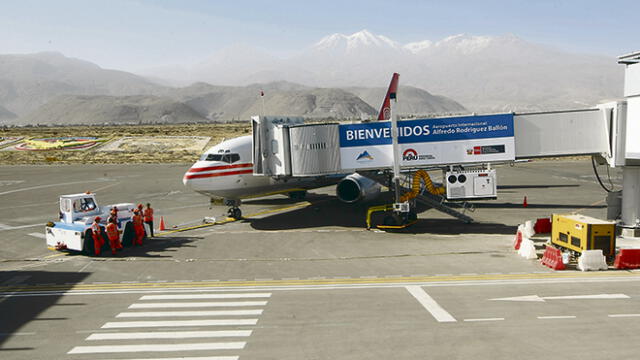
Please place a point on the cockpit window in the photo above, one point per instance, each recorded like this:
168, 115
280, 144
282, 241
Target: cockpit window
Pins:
228, 158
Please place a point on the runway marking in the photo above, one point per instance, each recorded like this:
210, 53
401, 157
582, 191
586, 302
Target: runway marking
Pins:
623, 315
38, 235
51, 185
181, 323
156, 347
189, 313
311, 284
197, 304
192, 358
483, 319
205, 296
169, 335
7, 227
439, 313
556, 317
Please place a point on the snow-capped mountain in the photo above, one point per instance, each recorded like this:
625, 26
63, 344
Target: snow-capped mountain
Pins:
362, 40
484, 73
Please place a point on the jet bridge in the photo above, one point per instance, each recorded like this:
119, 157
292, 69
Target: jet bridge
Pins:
608, 132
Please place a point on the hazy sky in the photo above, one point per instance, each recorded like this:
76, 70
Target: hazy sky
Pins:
135, 35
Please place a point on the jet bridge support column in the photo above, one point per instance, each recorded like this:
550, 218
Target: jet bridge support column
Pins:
630, 152
631, 197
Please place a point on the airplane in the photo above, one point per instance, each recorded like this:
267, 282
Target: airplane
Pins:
225, 172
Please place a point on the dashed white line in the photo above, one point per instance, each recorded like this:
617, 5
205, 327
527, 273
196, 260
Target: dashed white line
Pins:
171, 323
193, 358
157, 347
483, 319
439, 313
197, 304
556, 317
189, 313
623, 315
169, 335
205, 296
38, 235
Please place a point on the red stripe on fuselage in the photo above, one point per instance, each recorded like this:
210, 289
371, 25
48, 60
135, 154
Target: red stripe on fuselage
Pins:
237, 172
219, 167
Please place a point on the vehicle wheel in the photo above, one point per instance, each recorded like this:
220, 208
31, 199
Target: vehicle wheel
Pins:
128, 234
106, 245
235, 213
88, 248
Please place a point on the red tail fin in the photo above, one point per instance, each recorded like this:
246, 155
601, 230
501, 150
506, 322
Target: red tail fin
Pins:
385, 110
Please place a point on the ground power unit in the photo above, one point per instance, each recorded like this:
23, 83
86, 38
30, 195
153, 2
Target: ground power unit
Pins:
579, 233
471, 184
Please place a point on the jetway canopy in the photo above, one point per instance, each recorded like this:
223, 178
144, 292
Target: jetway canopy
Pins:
294, 149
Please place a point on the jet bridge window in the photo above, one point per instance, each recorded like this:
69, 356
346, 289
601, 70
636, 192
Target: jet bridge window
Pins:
228, 158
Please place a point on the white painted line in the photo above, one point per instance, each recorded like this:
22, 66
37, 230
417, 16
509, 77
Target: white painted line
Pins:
556, 317
20, 227
156, 347
197, 304
172, 323
483, 319
50, 185
169, 335
205, 296
440, 314
38, 235
189, 313
193, 358
623, 315
3, 226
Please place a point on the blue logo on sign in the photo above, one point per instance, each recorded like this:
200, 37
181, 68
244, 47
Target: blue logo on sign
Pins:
364, 157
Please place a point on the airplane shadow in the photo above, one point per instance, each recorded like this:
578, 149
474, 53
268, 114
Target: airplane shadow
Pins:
504, 187
329, 211
19, 310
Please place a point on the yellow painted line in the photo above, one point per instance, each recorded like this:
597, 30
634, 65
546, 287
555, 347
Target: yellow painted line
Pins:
311, 282
55, 255
228, 220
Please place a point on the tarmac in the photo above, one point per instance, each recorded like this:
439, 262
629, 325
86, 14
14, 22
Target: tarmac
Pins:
304, 279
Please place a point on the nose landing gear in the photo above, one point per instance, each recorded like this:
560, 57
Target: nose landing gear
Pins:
235, 213
234, 208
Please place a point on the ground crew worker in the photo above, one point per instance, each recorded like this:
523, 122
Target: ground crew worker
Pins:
148, 218
141, 212
96, 232
113, 215
137, 227
113, 235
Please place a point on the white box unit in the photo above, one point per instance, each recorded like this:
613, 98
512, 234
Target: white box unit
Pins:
471, 184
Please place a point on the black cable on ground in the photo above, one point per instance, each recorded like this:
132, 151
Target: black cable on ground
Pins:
595, 170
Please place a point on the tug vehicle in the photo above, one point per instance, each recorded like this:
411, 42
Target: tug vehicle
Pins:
77, 213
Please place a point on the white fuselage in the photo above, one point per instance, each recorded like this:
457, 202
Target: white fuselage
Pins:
225, 171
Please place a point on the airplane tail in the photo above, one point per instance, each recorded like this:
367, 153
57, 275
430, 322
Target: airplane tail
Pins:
385, 110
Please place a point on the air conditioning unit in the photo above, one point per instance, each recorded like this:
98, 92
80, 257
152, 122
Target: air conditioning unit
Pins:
471, 184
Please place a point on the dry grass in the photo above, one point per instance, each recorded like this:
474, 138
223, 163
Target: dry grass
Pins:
217, 132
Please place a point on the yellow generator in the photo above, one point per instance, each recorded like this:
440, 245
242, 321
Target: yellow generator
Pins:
579, 232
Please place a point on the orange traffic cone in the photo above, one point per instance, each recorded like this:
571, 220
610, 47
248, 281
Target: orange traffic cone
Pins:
162, 226
524, 202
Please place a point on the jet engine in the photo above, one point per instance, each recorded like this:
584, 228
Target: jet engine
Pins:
356, 187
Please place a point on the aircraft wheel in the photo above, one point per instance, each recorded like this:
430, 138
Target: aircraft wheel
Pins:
235, 213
